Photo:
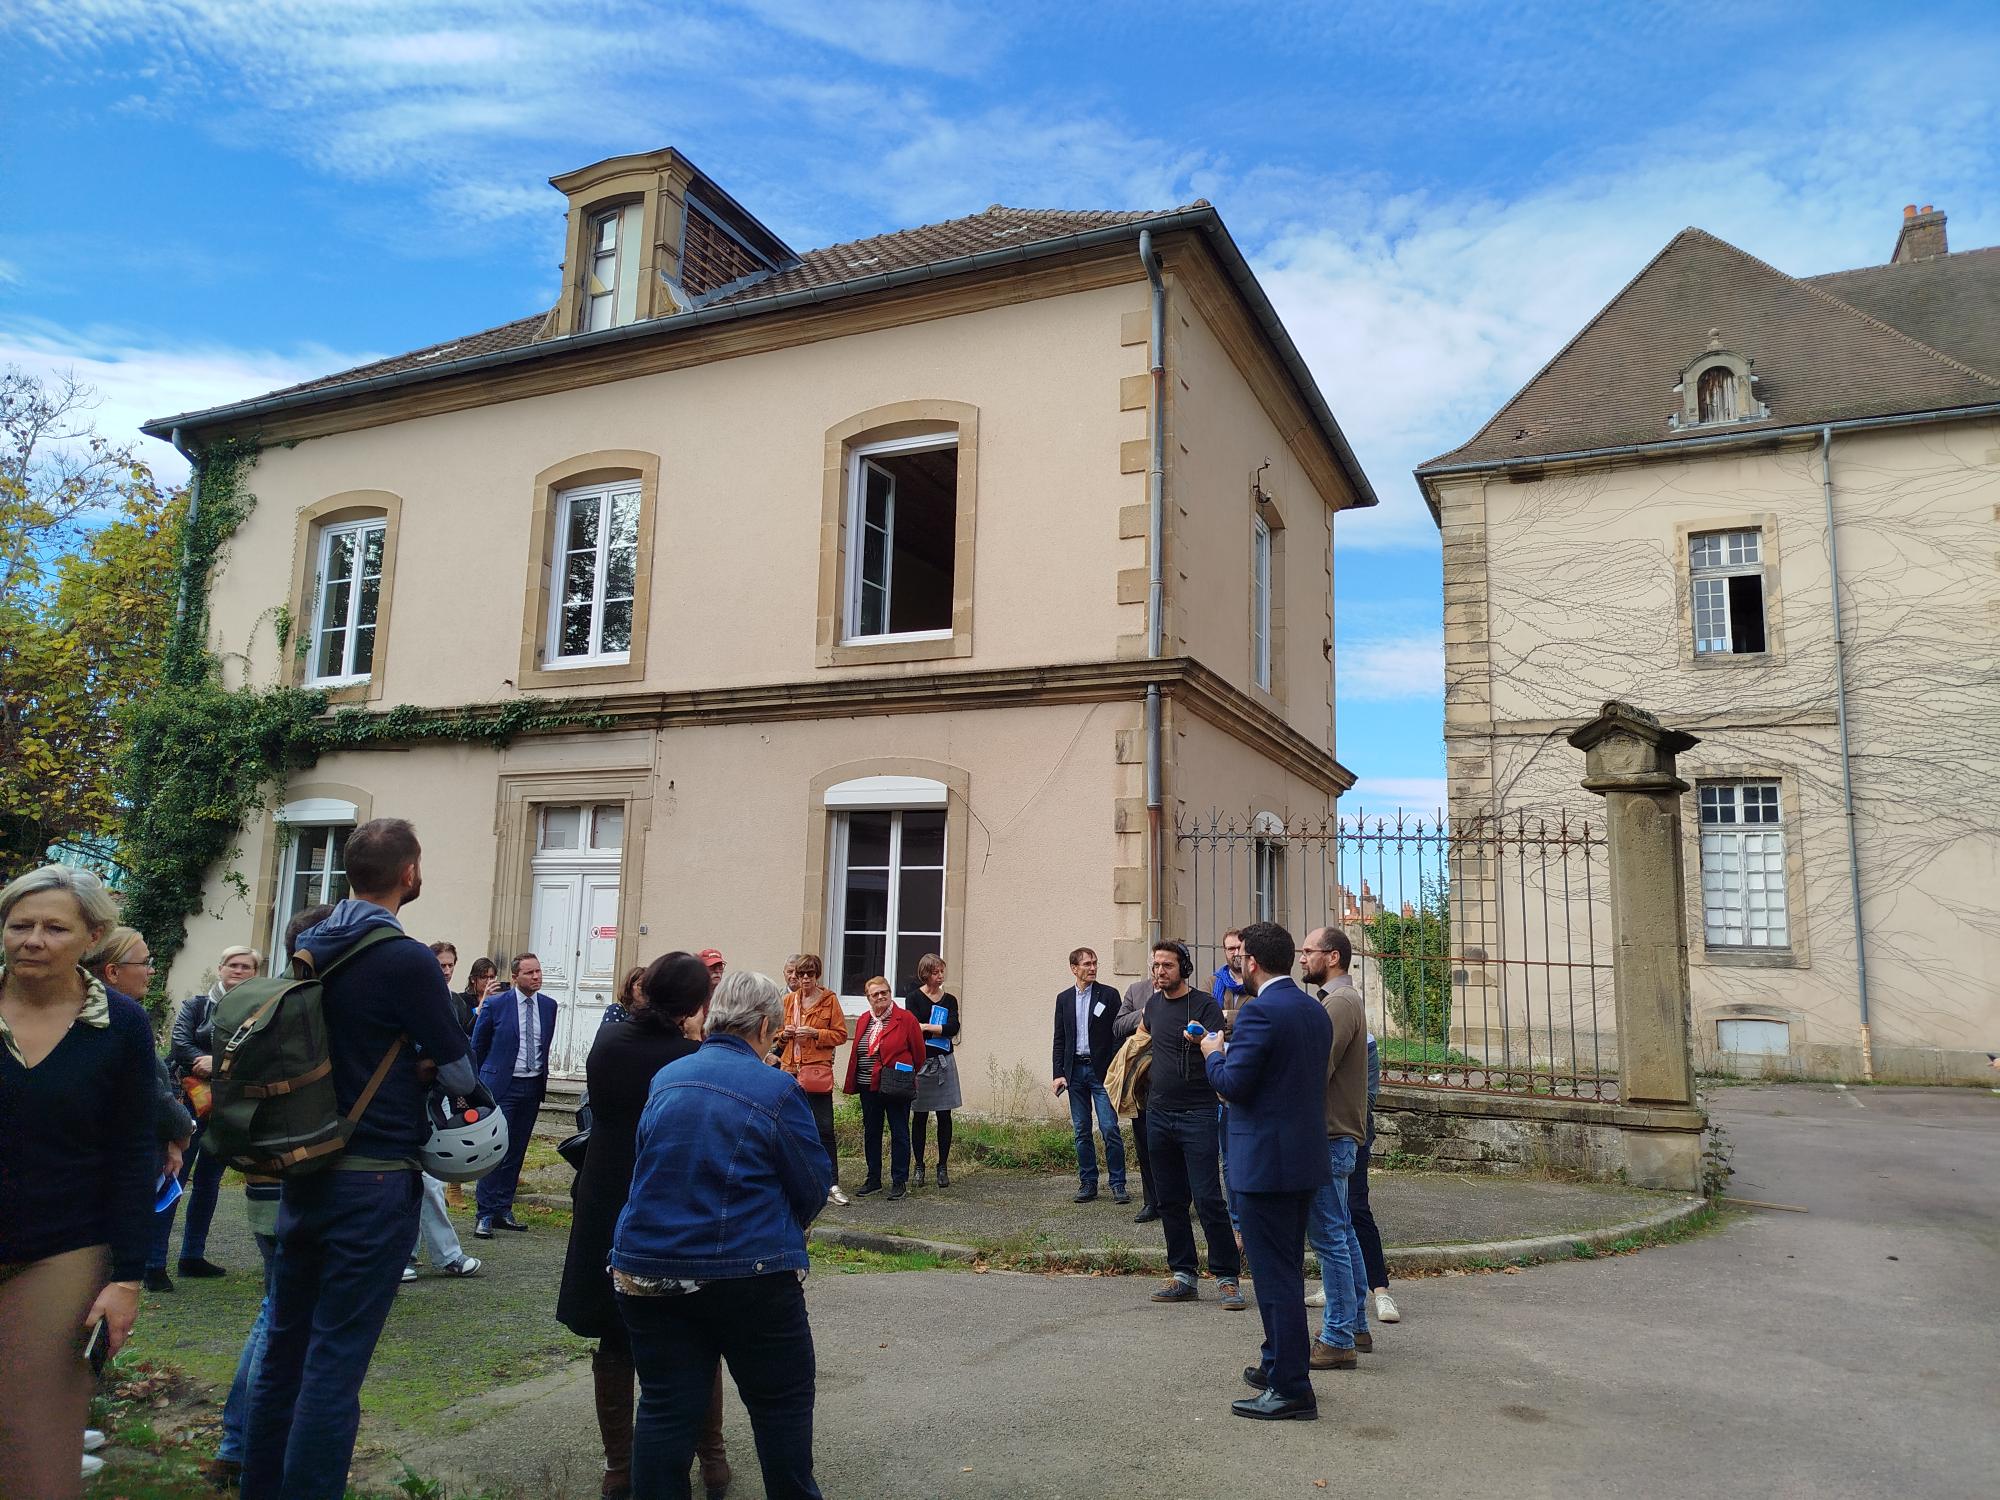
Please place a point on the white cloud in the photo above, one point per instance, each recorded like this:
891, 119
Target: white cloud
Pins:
137, 380
1386, 796
900, 33
1386, 669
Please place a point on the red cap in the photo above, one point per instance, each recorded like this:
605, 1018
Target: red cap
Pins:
710, 956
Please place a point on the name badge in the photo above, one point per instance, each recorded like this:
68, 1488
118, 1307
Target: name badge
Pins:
1098, 1009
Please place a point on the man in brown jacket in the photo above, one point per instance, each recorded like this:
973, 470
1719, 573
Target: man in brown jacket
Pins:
1325, 956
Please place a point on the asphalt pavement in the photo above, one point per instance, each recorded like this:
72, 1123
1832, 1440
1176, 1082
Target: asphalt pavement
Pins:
1846, 1350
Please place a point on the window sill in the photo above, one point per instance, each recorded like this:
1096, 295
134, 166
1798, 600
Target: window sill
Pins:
928, 646
1753, 958
1732, 658
585, 675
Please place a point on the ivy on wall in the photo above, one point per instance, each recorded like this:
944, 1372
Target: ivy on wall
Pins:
201, 758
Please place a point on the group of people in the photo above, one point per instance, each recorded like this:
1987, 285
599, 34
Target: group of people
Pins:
1255, 1071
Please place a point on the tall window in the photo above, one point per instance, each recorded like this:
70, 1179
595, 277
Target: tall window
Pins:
887, 895
902, 537
611, 280
315, 871
1267, 868
590, 623
1743, 865
1260, 602
1726, 578
346, 597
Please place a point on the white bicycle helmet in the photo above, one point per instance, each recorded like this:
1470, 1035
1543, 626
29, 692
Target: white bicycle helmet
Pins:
467, 1140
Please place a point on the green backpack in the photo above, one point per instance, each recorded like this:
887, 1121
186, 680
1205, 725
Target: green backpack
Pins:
274, 1112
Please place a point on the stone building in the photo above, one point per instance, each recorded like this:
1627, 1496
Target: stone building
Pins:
852, 550
1660, 516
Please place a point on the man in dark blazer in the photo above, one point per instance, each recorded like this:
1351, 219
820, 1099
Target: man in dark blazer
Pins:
510, 1047
1273, 1073
1085, 1013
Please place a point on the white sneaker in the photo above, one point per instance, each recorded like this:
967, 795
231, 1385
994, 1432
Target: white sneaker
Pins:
1317, 1299
835, 1195
409, 1273
1385, 1308
92, 1440
92, 1466
465, 1265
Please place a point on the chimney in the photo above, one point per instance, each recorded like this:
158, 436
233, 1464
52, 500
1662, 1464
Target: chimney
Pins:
1922, 235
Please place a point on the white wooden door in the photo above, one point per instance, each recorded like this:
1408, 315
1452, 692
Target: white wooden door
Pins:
575, 926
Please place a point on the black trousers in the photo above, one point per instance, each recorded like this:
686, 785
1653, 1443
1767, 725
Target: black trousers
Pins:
1150, 1195
822, 1108
1187, 1170
1364, 1221
875, 1111
1274, 1239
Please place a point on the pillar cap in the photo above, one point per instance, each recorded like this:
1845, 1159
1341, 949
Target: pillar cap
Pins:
1627, 749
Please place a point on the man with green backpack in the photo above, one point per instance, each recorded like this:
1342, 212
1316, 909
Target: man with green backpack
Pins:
349, 1159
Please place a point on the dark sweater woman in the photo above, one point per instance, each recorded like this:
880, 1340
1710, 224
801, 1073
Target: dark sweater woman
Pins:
78, 1158
936, 1010
669, 1000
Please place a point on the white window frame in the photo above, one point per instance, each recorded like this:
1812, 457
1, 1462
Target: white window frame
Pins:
603, 496
836, 917
1267, 868
618, 303
301, 823
1260, 602
857, 501
1736, 561
329, 536
1744, 862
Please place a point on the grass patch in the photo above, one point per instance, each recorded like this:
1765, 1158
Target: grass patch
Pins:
1402, 1051
1027, 1145
842, 1260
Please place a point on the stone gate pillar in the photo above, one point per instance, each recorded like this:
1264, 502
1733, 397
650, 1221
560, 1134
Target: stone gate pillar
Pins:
1629, 762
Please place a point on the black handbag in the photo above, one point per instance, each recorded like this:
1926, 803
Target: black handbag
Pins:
573, 1148
894, 1083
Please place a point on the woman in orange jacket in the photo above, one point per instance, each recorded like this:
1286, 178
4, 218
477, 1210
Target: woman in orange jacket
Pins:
814, 1027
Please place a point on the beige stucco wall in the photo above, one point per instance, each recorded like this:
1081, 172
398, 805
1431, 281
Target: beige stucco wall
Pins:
736, 545
1584, 583
1219, 436
723, 856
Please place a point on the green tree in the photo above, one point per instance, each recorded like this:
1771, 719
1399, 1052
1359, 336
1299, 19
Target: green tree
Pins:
89, 548
1411, 952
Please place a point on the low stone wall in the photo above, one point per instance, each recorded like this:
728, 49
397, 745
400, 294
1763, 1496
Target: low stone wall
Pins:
1505, 1133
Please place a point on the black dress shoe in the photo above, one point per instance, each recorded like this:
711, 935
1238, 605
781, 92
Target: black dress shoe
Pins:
508, 1221
159, 1281
1269, 1406
1085, 1195
1254, 1378
199, 1269
866, 1188
482, 1227
1146, 1215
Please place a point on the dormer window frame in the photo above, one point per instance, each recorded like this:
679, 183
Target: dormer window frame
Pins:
1742, 376
617, 303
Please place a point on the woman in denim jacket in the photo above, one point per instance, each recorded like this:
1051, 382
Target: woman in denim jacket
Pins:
709, 1260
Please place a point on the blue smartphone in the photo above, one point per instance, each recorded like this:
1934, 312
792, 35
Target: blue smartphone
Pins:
1196, 1031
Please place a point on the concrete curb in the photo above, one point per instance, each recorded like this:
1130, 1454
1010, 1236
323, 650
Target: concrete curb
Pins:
1403, 1260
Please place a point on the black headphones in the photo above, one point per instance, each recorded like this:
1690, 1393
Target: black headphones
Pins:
1179, 951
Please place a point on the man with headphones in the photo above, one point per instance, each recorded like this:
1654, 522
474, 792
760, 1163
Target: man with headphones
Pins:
1181, 1117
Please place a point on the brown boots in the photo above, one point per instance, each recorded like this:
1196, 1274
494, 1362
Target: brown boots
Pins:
715, 1475
613, 1385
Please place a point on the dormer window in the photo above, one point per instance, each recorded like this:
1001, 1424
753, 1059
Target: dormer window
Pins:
1716, 388
611, 282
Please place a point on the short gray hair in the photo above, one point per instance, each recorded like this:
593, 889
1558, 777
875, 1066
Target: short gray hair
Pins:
100, 912
744, 1004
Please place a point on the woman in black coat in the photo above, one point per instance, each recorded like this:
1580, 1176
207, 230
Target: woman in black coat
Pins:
665, 1025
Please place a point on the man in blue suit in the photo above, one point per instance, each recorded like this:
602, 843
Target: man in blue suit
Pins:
510, 1047
1273, 1074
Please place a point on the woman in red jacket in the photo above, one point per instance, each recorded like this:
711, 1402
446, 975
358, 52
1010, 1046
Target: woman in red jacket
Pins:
882, 1069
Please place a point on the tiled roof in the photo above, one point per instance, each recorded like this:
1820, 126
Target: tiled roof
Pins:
1951, 302
996, 229
1816, 356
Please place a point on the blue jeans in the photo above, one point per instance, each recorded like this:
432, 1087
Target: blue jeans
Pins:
1342, 1272
236, 1410
520, 1102
757, 1324
1085, 1090
201, 1176
1184, 1172
343, 1240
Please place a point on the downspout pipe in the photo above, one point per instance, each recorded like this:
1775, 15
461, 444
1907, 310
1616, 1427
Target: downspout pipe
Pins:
187, 531
1156, 589
1846, 761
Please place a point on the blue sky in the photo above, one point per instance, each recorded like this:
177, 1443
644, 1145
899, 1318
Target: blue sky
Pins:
208, 199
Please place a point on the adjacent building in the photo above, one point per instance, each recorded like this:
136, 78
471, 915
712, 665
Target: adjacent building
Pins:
1659, 516
852, 552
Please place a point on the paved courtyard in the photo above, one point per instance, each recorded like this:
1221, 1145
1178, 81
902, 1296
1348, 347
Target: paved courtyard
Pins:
1845, 1351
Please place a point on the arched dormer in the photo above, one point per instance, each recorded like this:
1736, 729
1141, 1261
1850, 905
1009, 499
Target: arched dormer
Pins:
1717, 387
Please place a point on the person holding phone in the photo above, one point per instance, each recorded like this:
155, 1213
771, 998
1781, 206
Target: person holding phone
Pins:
78, 1160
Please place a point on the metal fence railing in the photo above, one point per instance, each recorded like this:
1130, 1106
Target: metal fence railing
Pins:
1482, 949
